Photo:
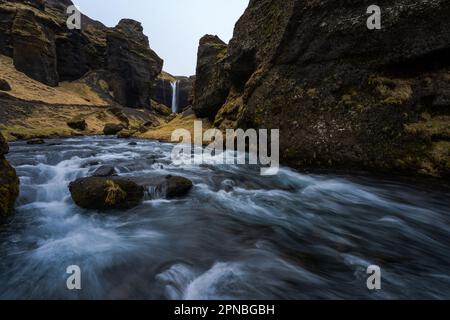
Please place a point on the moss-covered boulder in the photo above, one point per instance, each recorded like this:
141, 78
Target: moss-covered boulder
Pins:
9, 182
104, 193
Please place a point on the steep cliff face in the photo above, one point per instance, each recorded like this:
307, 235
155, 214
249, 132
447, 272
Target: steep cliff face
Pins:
162, 91
185, 92
211, 84
342, 95
132, 64
9, 182
35, 35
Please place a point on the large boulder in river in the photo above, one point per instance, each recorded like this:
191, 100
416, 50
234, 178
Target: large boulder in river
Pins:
132, 70
174, 186
103, 193
165, 186
9, 182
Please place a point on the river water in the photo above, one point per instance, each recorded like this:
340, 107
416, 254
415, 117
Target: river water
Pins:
237, 235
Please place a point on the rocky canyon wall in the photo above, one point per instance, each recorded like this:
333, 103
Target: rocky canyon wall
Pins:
35, 35
343, 96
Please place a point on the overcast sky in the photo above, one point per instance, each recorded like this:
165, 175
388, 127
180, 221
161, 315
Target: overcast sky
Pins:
174, 27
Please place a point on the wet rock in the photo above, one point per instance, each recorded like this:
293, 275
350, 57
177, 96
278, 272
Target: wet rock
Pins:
77, 124
132, 143
104, 171
165, 186
35, 141
9, 182
103, 193
174, 186
4, 85
111, 129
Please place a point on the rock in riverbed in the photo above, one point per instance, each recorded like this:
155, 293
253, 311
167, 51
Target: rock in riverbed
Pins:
166, 186
173, 186
104, 171
9, 182
105, 193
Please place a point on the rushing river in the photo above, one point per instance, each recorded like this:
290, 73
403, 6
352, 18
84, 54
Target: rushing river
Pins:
237, 235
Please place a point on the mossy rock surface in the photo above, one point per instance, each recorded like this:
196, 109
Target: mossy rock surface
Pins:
106, 193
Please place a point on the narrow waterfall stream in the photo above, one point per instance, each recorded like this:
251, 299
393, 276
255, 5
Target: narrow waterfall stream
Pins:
237, 235
174, 85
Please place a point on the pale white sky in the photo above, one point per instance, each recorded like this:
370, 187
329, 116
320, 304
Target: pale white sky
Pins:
174, 27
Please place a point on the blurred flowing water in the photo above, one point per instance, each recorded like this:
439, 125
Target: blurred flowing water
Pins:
238, 235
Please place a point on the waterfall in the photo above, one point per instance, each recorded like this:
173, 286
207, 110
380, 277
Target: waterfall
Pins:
174, 96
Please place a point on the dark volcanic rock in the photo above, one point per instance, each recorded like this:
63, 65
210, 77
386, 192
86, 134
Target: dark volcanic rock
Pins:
112, 129
174, 186
132, 70
34, 50
343, 96
35, 35
77, 124
4, 85
4, 148
106, 193
9, 182
165, 186
212, 84
185, 92
162, 90
104, 171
